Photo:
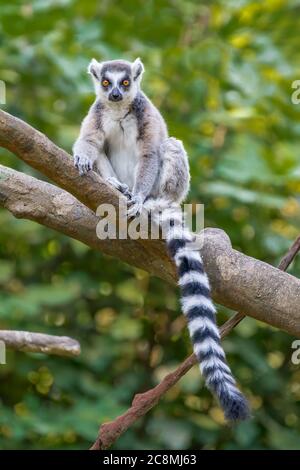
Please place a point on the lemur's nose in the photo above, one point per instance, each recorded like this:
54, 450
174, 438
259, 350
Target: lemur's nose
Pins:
115, 95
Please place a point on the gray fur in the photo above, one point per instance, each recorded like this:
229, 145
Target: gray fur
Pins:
116, 66
127, 141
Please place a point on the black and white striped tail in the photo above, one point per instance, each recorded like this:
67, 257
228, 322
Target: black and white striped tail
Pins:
201, 317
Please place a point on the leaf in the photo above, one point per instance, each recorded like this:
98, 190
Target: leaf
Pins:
6, 270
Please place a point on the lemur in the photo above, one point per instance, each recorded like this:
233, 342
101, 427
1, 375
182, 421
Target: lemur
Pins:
125, 139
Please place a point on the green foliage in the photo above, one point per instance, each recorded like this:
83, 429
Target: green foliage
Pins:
221, 73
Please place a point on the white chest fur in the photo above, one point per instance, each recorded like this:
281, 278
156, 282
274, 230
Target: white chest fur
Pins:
121, 136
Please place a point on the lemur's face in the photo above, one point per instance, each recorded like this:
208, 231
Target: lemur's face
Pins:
116, 82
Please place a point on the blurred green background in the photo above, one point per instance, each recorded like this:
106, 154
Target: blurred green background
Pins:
221, 73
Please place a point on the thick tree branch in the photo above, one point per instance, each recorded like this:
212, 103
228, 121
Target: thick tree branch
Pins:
143, 402
239, 282
29, 198
39, 152
35, 149
38, 342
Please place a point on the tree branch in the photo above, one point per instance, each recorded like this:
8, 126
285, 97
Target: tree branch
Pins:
35, 149
38, 342
238, 281
143, 402
29, 198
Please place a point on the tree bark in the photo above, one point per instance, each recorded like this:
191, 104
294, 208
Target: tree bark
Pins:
238, 281
39, 342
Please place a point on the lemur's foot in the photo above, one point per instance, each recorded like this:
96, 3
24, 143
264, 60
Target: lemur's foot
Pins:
123, 188
83, 164
135, 206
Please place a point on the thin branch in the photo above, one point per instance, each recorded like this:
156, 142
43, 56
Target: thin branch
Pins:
38, 342
289, 257
143, 402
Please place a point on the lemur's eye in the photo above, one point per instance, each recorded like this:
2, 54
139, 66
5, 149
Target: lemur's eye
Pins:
125, 82
105, 83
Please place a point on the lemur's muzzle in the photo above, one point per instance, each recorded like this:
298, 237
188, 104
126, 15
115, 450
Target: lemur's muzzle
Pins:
115, 95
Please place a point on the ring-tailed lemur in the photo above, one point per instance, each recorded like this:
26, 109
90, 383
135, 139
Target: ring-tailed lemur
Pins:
125, 138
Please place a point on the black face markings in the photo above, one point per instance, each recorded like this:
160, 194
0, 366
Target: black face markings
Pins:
118, 66
121, 86
103, 79
126, 86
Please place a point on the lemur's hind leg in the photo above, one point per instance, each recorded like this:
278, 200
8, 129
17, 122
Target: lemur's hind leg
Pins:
174, 175
173, 183
172, 187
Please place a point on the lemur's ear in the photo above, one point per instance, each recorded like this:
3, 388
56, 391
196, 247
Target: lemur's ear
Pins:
94, 69
137, 68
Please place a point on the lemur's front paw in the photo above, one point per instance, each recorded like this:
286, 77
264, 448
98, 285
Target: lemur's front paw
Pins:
135, 206
123, 188
83, 164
